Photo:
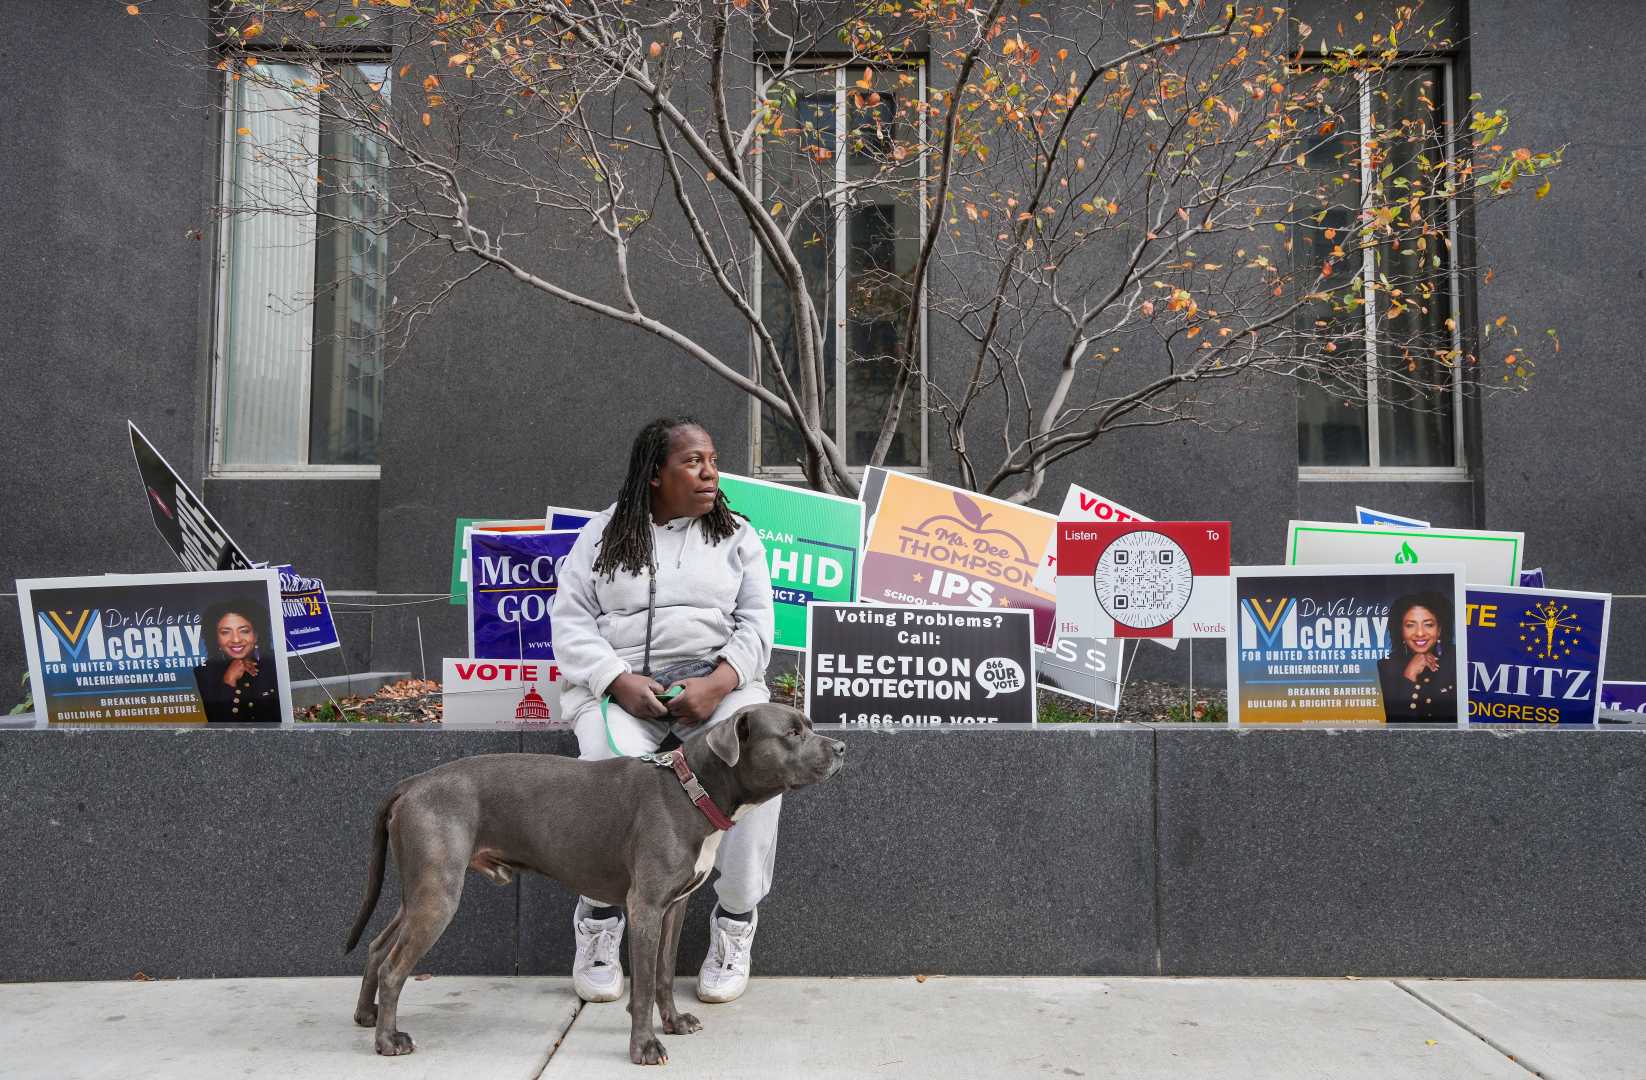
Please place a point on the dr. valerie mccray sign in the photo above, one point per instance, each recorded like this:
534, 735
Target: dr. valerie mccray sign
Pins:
1347, 644
512, 581
918, 666
156, 648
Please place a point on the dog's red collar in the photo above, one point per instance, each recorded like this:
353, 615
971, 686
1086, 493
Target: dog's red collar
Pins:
676, 760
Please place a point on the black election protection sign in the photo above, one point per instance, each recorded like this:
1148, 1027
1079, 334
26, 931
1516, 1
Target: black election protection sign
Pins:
919, 666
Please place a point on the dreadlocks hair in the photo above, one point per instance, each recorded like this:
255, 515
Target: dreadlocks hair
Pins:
626, 545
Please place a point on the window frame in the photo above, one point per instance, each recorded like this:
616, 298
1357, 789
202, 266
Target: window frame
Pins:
793, 473
216, 467
1459, 470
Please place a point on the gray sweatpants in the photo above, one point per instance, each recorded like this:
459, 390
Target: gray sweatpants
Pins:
747, 853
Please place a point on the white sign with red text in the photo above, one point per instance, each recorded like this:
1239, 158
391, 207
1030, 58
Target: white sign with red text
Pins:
501, 693
1081, 505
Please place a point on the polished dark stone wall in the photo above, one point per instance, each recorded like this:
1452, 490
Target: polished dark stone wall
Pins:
1100, 850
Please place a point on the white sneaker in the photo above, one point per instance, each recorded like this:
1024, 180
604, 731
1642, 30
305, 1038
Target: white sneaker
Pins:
725, 972
597, 974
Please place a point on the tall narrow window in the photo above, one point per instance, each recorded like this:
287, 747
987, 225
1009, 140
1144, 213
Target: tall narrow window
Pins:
847, 166
303, 272
1402, 409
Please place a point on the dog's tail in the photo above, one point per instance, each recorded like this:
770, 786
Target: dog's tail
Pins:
374, 873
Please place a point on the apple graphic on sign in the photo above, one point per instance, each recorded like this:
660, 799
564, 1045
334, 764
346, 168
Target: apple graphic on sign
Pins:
972, 520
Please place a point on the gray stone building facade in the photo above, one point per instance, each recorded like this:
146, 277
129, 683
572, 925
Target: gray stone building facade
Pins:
111, 152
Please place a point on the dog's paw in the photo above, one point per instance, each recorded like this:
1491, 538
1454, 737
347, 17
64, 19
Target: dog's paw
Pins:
647, 1052
366, 1017
682, 1024
394, 1044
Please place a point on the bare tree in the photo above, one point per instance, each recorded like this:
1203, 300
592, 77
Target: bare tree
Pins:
1109, 213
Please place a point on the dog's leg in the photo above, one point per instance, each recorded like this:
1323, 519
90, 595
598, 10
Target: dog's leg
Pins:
668, 952
430, 902
365, 1010
645, 934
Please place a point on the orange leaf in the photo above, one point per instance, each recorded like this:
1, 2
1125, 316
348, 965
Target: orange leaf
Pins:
427, 119
457, 58
133, 9
242, 131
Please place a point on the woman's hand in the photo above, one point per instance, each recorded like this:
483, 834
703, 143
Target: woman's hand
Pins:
637, 695
1420, 663
239, 668
699, 698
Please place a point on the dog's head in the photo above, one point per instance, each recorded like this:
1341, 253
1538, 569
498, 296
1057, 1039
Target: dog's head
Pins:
773, 748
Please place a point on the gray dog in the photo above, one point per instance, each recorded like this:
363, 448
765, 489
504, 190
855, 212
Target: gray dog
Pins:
629, 831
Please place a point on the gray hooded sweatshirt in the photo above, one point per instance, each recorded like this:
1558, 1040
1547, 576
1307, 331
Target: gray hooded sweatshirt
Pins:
713, 600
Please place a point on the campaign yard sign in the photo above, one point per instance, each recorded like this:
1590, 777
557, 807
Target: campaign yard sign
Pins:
1347, 645
1367, 516
305, 613
156, 648
476, 692
1536, 656
813, 543
460, 547
188, 528
1532, 579
1623, 696
512, 581
1143, 579
935, 545
919, 666
1081, 504
1084, 668
557, 518
1488, 558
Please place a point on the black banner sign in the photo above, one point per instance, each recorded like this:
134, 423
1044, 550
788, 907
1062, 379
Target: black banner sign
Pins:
919, 666
193, 535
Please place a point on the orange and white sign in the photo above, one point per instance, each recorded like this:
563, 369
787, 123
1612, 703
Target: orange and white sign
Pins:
934, 545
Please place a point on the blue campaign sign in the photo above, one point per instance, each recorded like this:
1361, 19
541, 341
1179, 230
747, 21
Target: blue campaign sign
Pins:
564, 517
1623, 696
1367, 516
306, 613
512, 581
1536, 656
1532, 579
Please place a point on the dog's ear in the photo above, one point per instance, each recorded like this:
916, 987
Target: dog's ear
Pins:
726, 738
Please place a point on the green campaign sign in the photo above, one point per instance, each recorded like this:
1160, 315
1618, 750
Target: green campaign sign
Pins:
813, 542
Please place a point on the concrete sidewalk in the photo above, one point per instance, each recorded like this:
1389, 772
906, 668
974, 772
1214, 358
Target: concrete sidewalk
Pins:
954, 1028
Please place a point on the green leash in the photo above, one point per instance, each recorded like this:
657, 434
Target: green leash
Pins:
668, 695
